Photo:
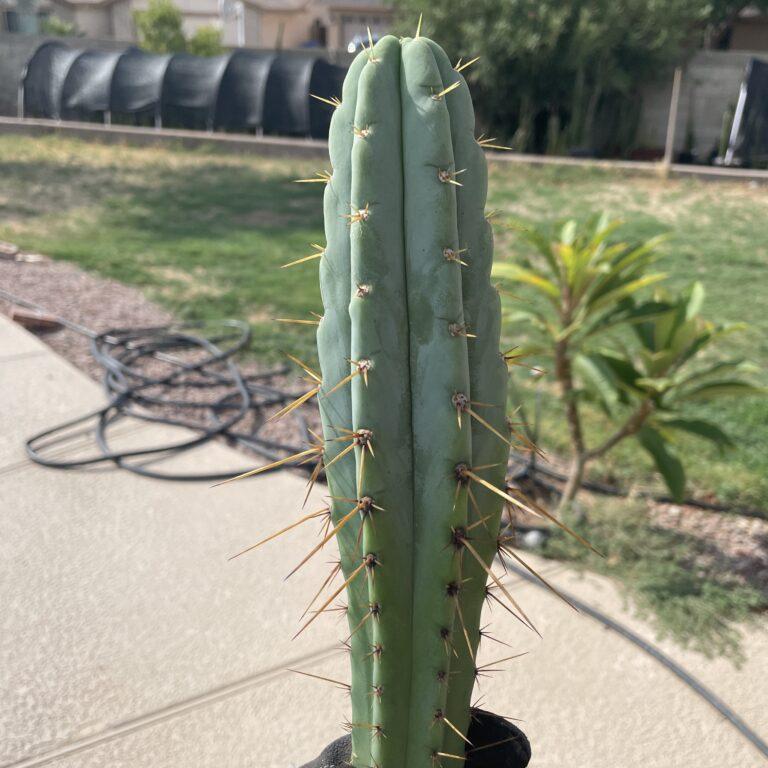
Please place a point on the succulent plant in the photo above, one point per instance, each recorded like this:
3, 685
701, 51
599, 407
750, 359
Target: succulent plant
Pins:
412, 394
411, 325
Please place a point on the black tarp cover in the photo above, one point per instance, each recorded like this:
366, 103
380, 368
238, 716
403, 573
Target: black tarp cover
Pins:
288, 107
190, 88
85, 94
326, 81
44, 79
748, 143
240, 101
137, 82
242, 91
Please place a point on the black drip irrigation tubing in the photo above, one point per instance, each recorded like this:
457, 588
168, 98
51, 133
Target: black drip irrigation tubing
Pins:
187, 362
656, 653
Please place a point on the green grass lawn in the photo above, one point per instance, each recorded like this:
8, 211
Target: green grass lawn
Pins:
205, 234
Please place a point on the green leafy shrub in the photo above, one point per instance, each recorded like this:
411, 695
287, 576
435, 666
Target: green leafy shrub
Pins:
641, 359
54, 25
159, 28
206, 41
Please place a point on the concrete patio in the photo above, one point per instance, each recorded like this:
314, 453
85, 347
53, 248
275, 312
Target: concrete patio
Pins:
128, 640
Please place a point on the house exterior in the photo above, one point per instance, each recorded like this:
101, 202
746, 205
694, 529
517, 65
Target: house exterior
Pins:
332, 24
748, 32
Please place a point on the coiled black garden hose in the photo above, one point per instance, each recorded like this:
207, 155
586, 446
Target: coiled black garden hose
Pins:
188, 362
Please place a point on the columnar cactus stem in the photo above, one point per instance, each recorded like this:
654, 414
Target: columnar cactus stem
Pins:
380, 330
488, 380
408, 346
333, 338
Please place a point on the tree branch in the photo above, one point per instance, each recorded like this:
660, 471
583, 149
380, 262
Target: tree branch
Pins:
630, 427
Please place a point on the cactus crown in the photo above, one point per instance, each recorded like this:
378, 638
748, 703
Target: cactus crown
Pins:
412, 397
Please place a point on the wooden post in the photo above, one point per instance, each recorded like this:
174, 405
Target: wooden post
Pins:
669, 146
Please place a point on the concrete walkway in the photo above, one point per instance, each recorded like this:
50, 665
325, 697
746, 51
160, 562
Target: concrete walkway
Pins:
128, 640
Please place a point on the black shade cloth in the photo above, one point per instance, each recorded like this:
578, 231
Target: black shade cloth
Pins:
242, 91
289, 109
137, 82
44, 79
86, 90
748, 143
190, 88
240, 102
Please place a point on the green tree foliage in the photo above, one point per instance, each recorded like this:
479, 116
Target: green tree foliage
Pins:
58, 27
553, 72
206, 41
642, 360
159, 27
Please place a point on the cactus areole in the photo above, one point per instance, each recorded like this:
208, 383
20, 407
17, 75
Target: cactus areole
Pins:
411, 325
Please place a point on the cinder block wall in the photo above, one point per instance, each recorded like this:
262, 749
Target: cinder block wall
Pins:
711, 82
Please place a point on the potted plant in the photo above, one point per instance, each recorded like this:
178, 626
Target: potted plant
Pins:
412, 393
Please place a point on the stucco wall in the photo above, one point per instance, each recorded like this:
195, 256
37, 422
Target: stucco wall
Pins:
93, 22
295, 29
121, 16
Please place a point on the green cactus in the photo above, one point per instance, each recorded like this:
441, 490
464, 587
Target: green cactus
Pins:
412, 392
413, 396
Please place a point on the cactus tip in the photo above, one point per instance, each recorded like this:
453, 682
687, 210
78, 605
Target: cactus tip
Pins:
305, 455
460, 329
369, 50
360, 214
319, 253
487, 143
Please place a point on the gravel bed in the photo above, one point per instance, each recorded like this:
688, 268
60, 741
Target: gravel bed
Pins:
736, 544
80, 297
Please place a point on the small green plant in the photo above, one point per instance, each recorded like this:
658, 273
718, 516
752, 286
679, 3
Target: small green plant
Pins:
54, 25
159, 27
206, 41
641, 360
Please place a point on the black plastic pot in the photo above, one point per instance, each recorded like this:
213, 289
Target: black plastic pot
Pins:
496, 743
